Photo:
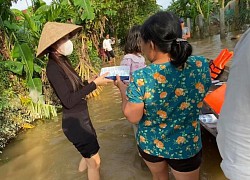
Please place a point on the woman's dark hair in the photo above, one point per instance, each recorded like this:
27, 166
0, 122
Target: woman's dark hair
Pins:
65, 64
164, 30
133, 41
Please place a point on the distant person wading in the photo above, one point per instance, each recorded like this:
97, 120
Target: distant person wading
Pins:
185, 30
107, 46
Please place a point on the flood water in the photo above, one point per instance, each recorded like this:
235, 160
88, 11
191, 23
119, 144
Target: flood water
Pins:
45, 153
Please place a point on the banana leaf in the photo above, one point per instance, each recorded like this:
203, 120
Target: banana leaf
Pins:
11, 26
35, 84
27, 59
24, 53
15, 53
37, 68
88, 12
13, 66
31, 23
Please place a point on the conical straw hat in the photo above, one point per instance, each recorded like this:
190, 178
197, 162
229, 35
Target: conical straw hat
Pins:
52, 32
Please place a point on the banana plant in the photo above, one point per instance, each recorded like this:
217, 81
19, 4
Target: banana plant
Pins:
84, 9
24, 66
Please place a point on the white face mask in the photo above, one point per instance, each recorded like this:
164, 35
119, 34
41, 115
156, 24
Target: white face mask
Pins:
65, 48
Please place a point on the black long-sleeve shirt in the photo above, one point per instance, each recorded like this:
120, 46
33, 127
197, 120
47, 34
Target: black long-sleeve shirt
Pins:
70, 100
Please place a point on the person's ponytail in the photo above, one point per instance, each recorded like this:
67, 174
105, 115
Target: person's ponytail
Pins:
180, 51
164, 30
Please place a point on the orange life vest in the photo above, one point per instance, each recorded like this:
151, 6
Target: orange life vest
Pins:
215, 99
218, 64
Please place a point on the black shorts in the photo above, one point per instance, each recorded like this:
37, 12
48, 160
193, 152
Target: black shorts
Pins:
79, 130
181, 165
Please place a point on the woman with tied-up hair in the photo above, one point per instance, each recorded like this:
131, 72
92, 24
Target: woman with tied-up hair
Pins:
165, 99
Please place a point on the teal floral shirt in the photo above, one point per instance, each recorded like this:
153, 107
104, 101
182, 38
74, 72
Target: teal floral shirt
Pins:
172, 100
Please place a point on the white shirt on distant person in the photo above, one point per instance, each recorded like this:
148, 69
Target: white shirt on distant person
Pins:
107, 44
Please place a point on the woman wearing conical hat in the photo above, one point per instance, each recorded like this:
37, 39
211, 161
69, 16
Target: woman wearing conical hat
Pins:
71, 91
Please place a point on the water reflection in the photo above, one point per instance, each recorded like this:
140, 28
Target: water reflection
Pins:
211, 46
44, 152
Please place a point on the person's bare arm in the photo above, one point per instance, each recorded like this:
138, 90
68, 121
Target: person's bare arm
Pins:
132, 111
188, 35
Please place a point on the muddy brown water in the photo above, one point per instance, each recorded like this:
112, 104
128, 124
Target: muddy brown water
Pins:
44, 152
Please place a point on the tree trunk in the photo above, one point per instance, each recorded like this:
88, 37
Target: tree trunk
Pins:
222, 24
189, 24
223, 4
200, 19
3, 50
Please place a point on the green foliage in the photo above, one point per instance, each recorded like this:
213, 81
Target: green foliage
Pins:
14, 66
24, 54
37, 4
192, 8
107, 8
130, 13
5, 12
95, 59
9, 112
84, 8
4, 85
242, 15
74, 57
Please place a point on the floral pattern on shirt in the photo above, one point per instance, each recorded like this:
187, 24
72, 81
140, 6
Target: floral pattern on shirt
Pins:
172, 100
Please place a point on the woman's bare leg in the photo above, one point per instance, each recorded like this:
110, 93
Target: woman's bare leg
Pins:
192, 175
93, 165
159, 170
82, 165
